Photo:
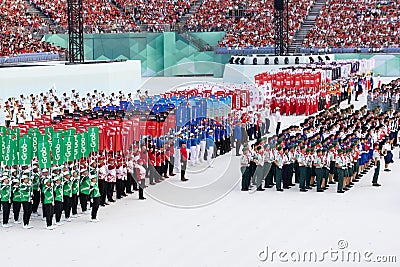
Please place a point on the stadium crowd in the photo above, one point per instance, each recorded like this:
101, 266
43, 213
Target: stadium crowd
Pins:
17, 30
248, 24
155, 14
361, 23
99, 16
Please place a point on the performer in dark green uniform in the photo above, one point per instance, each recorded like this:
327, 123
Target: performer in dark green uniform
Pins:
25, 189
95, 195
5, 191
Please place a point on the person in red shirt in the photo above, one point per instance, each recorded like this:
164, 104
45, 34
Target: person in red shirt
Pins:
184, 159
152, 163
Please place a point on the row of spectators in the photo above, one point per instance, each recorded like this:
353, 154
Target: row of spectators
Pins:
356, 23
100, 16
155, 12
247, 23
18, 30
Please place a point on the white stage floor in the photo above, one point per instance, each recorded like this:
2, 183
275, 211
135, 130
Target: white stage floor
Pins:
228, 227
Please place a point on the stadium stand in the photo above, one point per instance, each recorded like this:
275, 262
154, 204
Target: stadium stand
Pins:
154, 14
247, 23
18, 30
356, 23
100, 16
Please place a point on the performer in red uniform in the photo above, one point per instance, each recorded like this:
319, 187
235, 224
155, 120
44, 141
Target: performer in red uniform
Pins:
184, 159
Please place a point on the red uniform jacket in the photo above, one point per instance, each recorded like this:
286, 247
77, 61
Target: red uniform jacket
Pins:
184, 155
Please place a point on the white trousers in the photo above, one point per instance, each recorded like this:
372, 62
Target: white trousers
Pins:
202, 150
210, 152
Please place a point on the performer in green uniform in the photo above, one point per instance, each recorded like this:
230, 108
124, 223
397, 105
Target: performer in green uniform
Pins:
25, 189
48, 202
58, 199
75, 193
67, 196
16, 200
84, 190
35, 178
5, 191
95, 195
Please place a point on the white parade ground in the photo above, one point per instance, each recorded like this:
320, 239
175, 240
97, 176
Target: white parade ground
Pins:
208, 221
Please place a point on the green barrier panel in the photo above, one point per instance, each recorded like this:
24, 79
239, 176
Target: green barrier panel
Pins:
156, 51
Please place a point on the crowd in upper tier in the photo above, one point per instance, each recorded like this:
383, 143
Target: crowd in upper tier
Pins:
18, 28
247, 23
356, 23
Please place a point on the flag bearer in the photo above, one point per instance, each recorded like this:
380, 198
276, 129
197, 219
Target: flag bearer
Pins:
35, 191
67, 195
48, 203
25, 189
58, 199
84, 190
75, 193
5, 191
95, 195
16, 199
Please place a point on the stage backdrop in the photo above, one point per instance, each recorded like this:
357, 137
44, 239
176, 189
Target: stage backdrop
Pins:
157, 51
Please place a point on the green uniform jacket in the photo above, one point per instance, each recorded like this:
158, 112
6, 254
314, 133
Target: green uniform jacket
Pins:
75, 186
16, 194
94, 190
48, 194
35, 182
5, 192
67, 188
58, 192
26, 190
84, 185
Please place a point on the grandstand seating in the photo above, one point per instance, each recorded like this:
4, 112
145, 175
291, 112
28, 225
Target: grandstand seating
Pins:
356, 23
17, 30
252, 28
100, 16
153, 13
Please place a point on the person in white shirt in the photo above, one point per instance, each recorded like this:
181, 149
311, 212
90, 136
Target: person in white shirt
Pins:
267, 115
278, 120
387, 152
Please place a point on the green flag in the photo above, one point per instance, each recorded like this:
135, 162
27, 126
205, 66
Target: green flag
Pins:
34, 137
44, 155
8, 151
3, 147
57, 151
14, 155
84, 145
71, 132
69, 144
25, 150
93, 134
3, 130
77, 147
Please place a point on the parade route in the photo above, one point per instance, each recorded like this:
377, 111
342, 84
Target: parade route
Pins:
233, 229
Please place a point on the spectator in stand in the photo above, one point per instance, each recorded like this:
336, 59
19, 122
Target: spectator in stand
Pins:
248, 24
356, 23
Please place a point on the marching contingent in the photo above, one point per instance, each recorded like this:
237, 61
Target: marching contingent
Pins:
336, 147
